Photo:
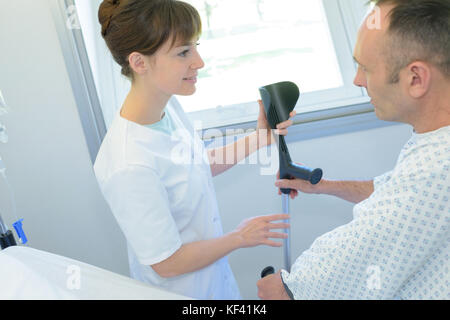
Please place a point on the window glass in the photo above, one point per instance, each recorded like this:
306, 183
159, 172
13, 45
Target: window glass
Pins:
250, 43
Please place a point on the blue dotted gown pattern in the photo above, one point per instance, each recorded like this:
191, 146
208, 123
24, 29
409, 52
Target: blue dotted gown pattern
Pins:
397, 245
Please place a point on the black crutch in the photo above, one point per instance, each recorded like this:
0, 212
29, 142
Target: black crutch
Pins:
279, 100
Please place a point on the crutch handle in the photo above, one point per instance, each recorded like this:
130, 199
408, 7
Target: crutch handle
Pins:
267, 270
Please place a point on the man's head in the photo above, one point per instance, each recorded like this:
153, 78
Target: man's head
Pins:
404, 59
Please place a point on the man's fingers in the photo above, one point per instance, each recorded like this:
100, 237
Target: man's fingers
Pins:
285, 184
294, 193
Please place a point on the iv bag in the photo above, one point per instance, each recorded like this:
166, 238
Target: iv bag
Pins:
3, 107
3, 110
3, 134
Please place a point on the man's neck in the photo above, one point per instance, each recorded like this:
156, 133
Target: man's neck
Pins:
435, 112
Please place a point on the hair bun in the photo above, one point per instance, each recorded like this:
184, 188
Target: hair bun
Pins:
106, 13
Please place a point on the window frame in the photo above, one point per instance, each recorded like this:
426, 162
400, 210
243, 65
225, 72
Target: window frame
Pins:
80, 75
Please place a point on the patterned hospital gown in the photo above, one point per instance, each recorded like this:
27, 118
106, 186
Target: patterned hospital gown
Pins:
397, 245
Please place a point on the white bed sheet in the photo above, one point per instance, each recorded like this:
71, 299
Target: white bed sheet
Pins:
27, 273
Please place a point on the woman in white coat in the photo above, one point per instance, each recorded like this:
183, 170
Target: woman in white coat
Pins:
163, 200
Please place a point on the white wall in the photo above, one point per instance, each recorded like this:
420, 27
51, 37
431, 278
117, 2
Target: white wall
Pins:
49, 167
47, 159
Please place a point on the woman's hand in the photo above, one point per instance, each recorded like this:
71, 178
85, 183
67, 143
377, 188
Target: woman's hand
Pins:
263, 126
257, 231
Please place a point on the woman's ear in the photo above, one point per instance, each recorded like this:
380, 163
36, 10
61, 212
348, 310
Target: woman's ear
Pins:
138, 63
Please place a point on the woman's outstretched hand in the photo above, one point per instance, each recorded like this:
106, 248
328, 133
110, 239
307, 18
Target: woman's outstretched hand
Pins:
257, 231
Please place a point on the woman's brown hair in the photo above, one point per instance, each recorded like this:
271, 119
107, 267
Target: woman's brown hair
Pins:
144, 26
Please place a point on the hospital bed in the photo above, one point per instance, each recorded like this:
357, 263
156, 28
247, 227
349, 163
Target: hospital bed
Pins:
31, 274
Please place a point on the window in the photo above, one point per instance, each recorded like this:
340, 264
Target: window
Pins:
267, 41
247, 44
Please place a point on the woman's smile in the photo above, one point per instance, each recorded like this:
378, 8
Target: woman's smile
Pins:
191, 79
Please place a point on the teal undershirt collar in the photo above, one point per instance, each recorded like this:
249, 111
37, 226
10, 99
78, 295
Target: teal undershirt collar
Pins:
164, 125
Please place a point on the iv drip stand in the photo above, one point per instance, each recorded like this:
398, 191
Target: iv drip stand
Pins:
6, 236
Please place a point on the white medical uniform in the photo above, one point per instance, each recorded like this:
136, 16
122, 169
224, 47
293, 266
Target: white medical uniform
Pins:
397, 245
159, 188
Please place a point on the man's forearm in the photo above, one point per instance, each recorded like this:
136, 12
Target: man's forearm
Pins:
353, 191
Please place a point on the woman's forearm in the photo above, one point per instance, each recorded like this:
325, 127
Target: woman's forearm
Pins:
197, 255
223, 158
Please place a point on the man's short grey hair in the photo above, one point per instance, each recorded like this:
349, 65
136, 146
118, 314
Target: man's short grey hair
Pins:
419, 30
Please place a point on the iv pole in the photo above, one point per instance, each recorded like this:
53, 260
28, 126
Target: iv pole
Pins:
2, 226
6, 236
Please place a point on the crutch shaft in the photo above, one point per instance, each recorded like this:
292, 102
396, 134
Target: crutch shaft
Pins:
286, 241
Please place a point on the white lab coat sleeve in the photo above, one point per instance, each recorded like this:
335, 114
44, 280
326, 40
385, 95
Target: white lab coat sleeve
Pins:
140, 204
393, 233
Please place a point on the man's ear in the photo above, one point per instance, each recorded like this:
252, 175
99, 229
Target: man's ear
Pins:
138, 63
418, 77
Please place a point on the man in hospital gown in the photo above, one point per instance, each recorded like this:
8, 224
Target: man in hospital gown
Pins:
397, 245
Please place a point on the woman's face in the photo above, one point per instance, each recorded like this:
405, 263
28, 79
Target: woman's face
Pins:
174, 70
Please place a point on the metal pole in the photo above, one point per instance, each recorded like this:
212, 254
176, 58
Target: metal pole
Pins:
3, 228
287, 241
6, 236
